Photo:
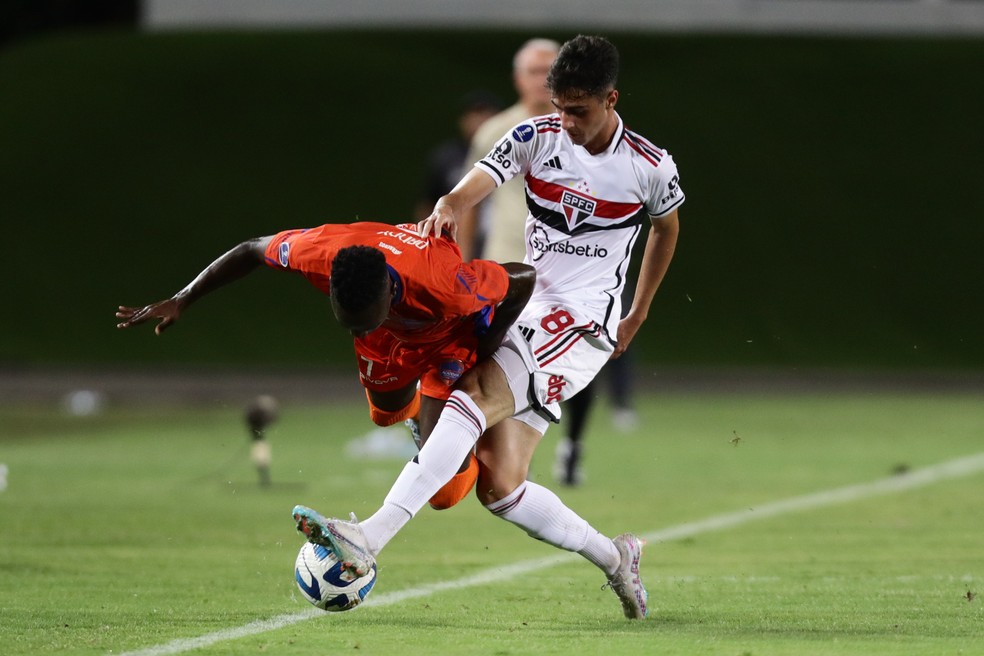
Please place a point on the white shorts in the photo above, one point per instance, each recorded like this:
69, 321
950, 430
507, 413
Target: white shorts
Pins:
550, 354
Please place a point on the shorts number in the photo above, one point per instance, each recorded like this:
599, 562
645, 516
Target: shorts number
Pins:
556, 321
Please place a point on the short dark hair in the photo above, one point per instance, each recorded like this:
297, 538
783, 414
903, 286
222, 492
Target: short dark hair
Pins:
586, 65
356, 275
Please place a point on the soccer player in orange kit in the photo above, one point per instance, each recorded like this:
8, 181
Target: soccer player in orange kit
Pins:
417, 312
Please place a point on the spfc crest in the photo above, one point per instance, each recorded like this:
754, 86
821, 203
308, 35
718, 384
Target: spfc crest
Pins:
577, 208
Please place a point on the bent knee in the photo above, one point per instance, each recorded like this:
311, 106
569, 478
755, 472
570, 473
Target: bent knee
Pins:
492, 487
384, 418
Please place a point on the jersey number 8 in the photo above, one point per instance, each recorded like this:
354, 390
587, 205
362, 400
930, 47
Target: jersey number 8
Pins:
556, 321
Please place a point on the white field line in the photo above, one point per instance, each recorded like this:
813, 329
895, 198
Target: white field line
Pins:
952, 469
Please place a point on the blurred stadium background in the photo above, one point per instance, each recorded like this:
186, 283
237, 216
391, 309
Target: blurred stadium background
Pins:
831, 152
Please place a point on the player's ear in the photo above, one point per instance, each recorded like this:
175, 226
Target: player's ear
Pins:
611, 99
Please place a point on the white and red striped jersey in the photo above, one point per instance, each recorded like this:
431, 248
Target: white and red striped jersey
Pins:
585, 211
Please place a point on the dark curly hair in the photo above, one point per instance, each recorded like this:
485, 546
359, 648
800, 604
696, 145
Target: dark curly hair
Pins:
356, 273
586, 65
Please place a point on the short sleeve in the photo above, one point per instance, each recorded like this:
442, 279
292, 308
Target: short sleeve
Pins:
511, 154
485, 280
666, 194
302, 251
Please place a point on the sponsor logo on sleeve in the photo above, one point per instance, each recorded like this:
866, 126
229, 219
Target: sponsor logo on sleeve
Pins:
500, 154
283, 254
673, 189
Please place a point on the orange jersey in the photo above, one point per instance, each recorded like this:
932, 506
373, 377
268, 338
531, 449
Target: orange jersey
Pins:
438, 297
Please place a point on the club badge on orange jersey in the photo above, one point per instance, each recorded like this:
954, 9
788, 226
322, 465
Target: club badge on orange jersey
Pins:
451, 370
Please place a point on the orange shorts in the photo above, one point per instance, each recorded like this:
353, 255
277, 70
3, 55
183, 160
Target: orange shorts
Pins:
387, 363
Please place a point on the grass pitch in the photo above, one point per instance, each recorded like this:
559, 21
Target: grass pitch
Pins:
144, 529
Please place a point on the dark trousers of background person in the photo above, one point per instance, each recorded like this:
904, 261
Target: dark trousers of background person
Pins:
568, 469
574, 420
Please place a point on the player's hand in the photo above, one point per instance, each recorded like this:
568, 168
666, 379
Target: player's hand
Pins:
439, 221
167, 311
627, 329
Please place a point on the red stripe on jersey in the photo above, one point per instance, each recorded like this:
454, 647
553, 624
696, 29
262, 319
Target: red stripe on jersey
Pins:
639, 148
645, 143
604, 209
547, 124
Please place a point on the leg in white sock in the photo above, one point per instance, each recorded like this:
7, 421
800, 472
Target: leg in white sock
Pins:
455, 435
542, 514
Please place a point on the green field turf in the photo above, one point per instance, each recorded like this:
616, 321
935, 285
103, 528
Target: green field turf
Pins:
140, 527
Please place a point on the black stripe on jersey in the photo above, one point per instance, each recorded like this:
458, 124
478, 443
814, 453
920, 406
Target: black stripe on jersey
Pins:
491, 169
621, 135
644, 145
626, 256
672, 207
547, 122
558, 221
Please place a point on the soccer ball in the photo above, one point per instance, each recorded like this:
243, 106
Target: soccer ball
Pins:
323, 582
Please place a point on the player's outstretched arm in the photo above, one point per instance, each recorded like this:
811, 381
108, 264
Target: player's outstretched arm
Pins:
470, 191
232, 265
522, 279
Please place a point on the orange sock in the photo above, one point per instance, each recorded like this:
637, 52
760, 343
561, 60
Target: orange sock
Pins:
458, 487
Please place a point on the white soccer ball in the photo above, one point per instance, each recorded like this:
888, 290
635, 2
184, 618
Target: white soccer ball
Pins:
323, 582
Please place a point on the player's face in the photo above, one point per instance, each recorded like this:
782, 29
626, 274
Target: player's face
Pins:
368, 319
588, 120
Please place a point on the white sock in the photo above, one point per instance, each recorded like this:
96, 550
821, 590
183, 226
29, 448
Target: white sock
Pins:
459, 427
542, 514
383, 525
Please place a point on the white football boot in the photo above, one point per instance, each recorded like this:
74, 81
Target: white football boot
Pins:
625, 581
346, 539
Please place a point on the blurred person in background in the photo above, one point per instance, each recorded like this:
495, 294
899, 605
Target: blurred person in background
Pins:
494, 229
448, 161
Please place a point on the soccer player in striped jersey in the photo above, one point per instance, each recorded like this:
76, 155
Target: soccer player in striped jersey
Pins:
592, 185
417, 312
